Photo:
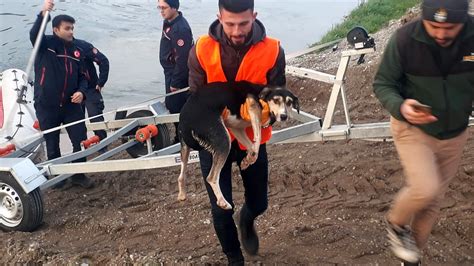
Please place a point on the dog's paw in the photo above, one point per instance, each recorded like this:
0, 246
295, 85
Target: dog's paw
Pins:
244, 164
250, 159
221, 202
182, 196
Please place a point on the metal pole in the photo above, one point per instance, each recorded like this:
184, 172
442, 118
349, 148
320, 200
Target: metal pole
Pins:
31, 61
39, 38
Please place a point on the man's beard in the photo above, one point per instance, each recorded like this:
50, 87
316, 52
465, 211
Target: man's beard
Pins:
444, 42
239, 41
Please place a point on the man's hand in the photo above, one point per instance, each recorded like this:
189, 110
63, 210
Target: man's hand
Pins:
77, 97
98, 88
173, 89
47, 6
415, 116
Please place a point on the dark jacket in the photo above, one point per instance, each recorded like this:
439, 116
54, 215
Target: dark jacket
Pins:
232, 56
176, 41
90, 54
58, 72
415, 67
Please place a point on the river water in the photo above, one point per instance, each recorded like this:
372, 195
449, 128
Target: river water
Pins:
128, 32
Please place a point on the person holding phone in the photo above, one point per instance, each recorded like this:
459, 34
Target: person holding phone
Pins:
426, 81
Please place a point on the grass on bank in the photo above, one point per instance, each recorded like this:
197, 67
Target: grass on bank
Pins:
372, 15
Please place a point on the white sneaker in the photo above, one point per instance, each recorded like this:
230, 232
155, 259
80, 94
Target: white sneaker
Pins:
402, 243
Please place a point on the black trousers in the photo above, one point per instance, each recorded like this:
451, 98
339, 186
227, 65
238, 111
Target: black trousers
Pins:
174, 103
52, 117
94, 104
255, 180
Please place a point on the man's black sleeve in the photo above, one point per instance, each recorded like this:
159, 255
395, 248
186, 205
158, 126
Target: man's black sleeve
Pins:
276, 75
181, 42
93, 54
35, 29
103, 62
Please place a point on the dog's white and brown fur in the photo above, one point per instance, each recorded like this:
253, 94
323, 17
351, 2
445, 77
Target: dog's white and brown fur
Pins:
201, 125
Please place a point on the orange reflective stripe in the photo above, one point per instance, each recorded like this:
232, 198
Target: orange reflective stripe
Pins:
254, 67
209, 56
258, 61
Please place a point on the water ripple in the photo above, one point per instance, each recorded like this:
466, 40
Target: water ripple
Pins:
6, 29
12, 14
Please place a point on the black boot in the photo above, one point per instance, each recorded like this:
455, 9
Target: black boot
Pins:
226, 231
248, 235
235, 258
82, 180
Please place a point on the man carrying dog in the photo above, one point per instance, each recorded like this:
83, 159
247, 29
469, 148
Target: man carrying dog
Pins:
176, 41
237, 49
426, 82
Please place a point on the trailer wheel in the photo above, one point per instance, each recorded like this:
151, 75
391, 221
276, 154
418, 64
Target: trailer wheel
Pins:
160, 141
19, 211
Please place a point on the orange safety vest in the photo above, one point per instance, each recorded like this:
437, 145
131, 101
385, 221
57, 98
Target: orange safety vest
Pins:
255, 65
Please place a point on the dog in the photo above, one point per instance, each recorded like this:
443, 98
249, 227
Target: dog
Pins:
202, 125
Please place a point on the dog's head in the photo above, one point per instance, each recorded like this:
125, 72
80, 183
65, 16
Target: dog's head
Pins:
280, 101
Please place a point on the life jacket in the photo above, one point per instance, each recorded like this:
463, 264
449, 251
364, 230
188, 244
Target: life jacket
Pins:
259, 59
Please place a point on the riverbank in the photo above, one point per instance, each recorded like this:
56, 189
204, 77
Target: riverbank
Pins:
372, 15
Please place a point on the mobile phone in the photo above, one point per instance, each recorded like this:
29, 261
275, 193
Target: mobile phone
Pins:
422, 108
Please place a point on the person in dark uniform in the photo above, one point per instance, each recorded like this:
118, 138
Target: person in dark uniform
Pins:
60, 86
176, 41
94, 102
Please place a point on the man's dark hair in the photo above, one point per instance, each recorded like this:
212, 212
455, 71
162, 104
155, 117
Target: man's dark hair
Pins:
60, 18
236, 6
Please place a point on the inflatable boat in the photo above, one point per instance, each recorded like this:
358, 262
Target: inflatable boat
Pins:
17, 114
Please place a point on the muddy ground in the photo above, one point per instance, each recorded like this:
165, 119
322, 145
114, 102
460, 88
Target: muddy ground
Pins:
326, 206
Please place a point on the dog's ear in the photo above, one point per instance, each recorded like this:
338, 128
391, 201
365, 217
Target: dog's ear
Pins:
294, 101
264, 93
296, 104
